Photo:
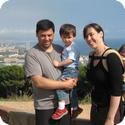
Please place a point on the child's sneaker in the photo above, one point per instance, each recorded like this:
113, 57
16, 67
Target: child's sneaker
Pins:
76, 112
59, 113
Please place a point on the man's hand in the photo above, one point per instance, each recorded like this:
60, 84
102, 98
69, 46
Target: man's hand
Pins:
69, 83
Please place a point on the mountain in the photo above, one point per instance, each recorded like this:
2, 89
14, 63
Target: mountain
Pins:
85, 49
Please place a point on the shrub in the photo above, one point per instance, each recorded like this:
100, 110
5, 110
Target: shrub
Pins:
84, 87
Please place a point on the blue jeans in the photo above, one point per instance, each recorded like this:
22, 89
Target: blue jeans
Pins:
63, 94
74, 98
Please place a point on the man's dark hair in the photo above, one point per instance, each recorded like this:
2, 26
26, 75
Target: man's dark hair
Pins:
44, 25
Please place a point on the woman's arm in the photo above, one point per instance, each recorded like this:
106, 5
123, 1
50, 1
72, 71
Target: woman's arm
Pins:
115, 81
114, 104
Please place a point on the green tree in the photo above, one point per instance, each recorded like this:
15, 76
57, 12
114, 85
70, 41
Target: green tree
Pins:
84, 87
11, 78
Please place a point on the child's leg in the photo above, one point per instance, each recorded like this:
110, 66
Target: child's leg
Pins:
73, 94
74, 98
62, 96
61, 104
61, 110
75, 109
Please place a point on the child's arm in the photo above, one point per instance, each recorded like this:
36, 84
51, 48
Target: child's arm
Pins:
62, 63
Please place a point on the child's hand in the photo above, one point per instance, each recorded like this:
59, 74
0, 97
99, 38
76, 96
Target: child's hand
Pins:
55, 63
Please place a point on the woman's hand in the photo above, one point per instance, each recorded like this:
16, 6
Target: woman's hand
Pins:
114, 105
109, 122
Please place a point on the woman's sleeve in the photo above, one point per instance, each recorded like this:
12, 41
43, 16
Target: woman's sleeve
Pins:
115, 70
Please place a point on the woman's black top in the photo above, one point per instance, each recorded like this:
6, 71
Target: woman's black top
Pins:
105, 83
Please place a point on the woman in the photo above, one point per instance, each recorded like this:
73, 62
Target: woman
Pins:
107, 85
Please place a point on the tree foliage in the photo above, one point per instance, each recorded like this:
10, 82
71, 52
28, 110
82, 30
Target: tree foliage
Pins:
84, 87
12, 80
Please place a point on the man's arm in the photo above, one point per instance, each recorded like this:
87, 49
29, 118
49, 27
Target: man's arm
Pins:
42, 82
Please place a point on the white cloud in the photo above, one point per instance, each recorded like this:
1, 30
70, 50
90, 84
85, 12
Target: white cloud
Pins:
122, 2
2, 2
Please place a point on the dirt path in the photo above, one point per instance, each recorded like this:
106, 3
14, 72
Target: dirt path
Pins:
22, 107
28, 107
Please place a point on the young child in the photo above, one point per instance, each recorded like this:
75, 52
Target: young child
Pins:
122, 53
70, 60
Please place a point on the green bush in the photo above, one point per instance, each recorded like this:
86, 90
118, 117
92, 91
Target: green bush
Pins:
14, 84
84, 87
12, 81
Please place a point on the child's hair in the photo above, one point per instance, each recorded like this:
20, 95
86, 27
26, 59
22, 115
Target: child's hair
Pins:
67, 29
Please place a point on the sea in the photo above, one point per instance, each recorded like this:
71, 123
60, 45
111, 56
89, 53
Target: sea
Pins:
85, 49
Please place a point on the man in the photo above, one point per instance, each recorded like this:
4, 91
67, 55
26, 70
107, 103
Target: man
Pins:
39, 67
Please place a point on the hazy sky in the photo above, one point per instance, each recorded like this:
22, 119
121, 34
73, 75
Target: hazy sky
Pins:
18, 17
